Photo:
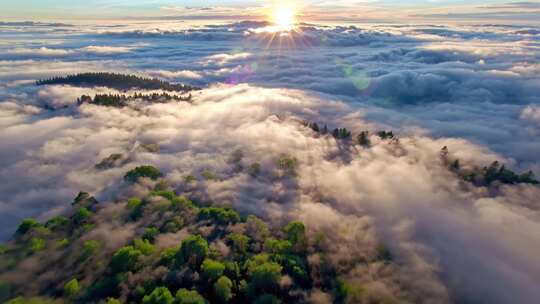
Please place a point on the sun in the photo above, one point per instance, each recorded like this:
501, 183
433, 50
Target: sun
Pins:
283, 16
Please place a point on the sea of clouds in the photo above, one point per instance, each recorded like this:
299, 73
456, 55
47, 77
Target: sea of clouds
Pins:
473, 88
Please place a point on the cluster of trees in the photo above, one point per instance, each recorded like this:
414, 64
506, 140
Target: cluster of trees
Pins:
344, 134
121, 100
117, 81
261, 264
485, 176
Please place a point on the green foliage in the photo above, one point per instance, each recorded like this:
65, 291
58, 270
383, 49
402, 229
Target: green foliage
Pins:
296, 267
3, 248
105, 287
32, 300
288, 164
27, 225
212, 270
5, 292
82, 215
223, 290
168, 256
36, 245
267, 299
113, 160
296, 234
144, 246
222, 216
57, 222
172, 225
257, 228
90, 248
276, 246
150, 172
112, 301
209, 175
150, 233
181, 203
238, 243
193, 251
72, 288
62, 243
184, 296
264, 278
170, 195
125, 259
190, 179
346, 292
136, 206
160, 295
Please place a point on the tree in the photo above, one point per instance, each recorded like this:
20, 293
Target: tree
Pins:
144, 246
223, 289
36, 245
125, 259
264, 278
82, 215
385, 135
267, 299
150, 233
72, 288
193, 251
150, 172
363, 139
90, 247
27, 225
296, 234
160, 295
222, 216
238, 243
212, 270
184, 296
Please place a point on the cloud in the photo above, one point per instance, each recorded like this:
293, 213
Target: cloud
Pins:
470, 88
108, 50
38, 52
531, 114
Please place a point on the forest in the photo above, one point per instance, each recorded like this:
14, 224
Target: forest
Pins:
121, 100
224, 257
117, 81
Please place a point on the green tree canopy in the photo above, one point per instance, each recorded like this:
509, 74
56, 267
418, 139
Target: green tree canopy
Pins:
150, 172
212, 270
72, 288
193, 251
125, 259
184, 296
223, 289
160, 295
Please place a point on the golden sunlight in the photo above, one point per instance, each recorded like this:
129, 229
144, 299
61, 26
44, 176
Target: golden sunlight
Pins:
283, 15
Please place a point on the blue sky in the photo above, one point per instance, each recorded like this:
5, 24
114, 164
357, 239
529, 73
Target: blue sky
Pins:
32, 9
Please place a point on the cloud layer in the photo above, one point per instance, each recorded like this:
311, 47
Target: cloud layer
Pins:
453, 242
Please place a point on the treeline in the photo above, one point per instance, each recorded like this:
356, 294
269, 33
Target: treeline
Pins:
121, 100
117, 81
485, 176
225, 257
344, 134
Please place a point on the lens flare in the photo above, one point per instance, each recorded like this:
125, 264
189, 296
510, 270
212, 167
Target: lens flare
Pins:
284, 17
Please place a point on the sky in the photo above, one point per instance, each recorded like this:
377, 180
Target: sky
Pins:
368, 9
